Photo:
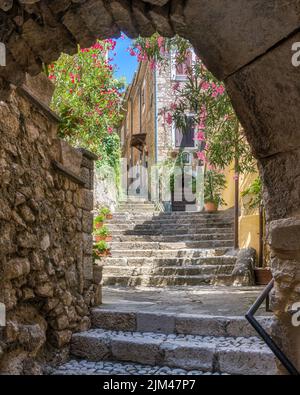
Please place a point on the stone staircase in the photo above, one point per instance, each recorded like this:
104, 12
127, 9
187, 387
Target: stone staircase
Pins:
138, 342
162, 249
156, 249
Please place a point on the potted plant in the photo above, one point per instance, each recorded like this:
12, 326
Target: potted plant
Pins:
101, 250
105, 211
214, 183
102, 234
253, 202
99, 221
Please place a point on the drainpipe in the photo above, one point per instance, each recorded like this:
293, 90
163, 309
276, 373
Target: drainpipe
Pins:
237, 190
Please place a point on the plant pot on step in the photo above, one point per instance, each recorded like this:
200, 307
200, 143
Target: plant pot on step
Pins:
263, 275
108, 239
99, 238
210, 207
109, 216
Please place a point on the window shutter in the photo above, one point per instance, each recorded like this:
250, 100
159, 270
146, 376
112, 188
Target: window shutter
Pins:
178, 137
173, 65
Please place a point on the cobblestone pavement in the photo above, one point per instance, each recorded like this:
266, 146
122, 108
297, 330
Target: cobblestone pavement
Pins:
220, 342
115, 368
210, 300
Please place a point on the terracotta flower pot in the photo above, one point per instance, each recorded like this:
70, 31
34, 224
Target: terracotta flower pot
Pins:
99, 238
210, 207
108, 239
99, 225
109, 216
262, 275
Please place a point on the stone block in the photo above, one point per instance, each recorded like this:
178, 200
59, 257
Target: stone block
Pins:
60, 339
41, 87
16, 268
155, 322
112, 320
88, 268
242, 31
68, 156
87, 176
202, 326
246, 361
84, 198
189, 356
284, 235
262, 105
122, 15
87, 221
91, 347
141, 350
97, 274
98, 19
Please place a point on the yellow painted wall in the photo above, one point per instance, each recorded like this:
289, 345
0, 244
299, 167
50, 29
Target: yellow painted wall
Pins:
228, 193
248, 222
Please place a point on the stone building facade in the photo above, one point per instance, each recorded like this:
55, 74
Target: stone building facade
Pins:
148, 137
46, 203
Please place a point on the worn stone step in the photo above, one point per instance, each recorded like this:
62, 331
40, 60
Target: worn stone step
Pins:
166, 221
206, 353
172, 238
147, 245
186, 271
114, 318
194, 214
167, 230
167, 253
116, 231
167, 281
135, 210
134, 205
113, 368
169, 261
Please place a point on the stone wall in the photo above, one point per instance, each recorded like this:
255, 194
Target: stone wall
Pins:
105, 189
46, 266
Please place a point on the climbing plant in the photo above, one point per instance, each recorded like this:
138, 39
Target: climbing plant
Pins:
202, 99
88, 99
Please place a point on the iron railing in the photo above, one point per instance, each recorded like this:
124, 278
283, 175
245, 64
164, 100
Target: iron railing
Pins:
264, 335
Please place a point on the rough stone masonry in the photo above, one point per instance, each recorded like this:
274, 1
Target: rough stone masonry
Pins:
46, 199
245, 43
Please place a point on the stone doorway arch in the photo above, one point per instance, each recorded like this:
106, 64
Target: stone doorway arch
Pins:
247, 44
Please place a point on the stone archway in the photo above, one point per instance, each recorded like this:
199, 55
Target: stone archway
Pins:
246, 44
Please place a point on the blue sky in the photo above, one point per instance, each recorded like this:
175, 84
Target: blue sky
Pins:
126, 64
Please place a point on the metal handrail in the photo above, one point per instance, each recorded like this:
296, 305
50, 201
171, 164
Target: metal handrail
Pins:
264, 335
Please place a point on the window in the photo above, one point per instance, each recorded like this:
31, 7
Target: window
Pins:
180, 70
143, 96
185, 138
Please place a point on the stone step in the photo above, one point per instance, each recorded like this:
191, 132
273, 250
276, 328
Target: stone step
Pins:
169, 261
116, 368
141, 224
126, 319
133, 205
165, 221
186, 253
240, 356
167, 231
131, 271
152, 245
192, 214
173, 239
135, 210
167, 281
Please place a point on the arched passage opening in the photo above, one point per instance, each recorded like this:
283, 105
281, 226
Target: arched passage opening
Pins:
243, 43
